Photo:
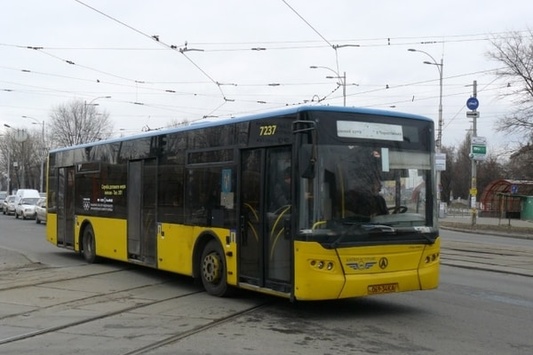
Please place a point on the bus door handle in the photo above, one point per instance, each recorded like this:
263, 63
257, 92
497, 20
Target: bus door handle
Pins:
287, 228
243, 230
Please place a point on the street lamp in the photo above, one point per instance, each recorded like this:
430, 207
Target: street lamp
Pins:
440, 67
43, 148
342, 79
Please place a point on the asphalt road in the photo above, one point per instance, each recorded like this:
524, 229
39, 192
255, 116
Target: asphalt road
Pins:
64, 306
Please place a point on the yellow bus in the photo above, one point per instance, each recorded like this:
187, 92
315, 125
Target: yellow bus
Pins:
306, 202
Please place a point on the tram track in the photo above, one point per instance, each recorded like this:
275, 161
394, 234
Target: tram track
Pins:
110, 305
167, 340
86, 320
49, 283
183, 335
52, 280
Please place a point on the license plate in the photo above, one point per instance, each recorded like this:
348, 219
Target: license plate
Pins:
383, 288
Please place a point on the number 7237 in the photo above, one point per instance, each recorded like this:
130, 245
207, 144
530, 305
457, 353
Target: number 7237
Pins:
269, 130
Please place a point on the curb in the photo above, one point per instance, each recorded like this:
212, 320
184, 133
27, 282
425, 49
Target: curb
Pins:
495, 233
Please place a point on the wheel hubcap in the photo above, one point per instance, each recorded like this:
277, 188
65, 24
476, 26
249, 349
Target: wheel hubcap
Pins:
211, 268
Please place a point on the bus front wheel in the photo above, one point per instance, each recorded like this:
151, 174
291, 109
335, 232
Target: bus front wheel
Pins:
89, 245
213, 269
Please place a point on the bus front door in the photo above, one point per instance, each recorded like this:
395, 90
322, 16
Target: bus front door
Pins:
65, 207
142, 198
264, 250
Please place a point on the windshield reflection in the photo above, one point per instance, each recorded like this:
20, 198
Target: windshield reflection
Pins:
367, 194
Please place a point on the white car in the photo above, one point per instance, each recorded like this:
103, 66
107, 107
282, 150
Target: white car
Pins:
25, 208
9, 205
40, 210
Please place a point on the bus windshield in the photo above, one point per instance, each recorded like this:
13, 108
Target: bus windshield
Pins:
367, 191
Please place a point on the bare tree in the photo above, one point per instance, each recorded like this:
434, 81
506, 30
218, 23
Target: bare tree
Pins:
446, 178
78, 122
515, 52
20, 162
461, 172
519, 166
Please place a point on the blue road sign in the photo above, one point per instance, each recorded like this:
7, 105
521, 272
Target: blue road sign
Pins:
472, 103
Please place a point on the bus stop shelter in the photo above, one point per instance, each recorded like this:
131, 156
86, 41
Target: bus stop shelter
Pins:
504, 198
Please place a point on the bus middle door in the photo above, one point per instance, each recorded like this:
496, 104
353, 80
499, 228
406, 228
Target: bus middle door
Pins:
142, 199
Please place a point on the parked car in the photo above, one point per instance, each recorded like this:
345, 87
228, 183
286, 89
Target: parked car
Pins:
25, 207
9, 205
3, 195
25, 193
40, 210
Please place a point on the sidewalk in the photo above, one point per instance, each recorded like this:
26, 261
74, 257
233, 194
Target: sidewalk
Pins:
516, 228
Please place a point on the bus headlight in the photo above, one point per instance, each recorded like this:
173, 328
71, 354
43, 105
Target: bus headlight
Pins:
431, 258
327, 265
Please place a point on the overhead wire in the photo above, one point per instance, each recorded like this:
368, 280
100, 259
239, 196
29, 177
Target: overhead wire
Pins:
307, 23
156, 38
395, 40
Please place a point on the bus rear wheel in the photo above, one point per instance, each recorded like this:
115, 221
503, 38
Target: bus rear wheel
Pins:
89, 245
213, 270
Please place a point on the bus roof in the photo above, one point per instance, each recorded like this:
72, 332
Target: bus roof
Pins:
251, 117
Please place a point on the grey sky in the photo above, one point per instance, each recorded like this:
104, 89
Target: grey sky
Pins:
245, 56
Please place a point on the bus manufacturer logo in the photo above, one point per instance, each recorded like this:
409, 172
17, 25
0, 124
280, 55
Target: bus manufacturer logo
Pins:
383, 263
86, 204
361, 265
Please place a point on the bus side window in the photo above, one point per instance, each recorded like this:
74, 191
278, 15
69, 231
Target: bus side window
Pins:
206, 208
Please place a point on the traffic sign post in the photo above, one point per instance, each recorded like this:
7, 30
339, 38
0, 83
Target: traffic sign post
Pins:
472, 103
472, 114
440, 161
478, 148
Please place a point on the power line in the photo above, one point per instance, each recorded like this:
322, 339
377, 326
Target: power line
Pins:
307, 23
156, 38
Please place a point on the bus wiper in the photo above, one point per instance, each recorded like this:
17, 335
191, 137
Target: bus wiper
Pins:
380, 227
353, 226
362, 228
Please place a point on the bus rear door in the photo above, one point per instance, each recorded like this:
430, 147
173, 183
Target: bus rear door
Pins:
65, 207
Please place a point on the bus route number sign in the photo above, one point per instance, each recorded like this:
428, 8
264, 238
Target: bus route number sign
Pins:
268, 130
271, 132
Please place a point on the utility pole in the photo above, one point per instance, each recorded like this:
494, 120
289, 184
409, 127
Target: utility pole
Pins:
21, 136
344, 88
473, 188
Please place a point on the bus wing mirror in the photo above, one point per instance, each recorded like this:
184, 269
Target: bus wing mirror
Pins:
307, 158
